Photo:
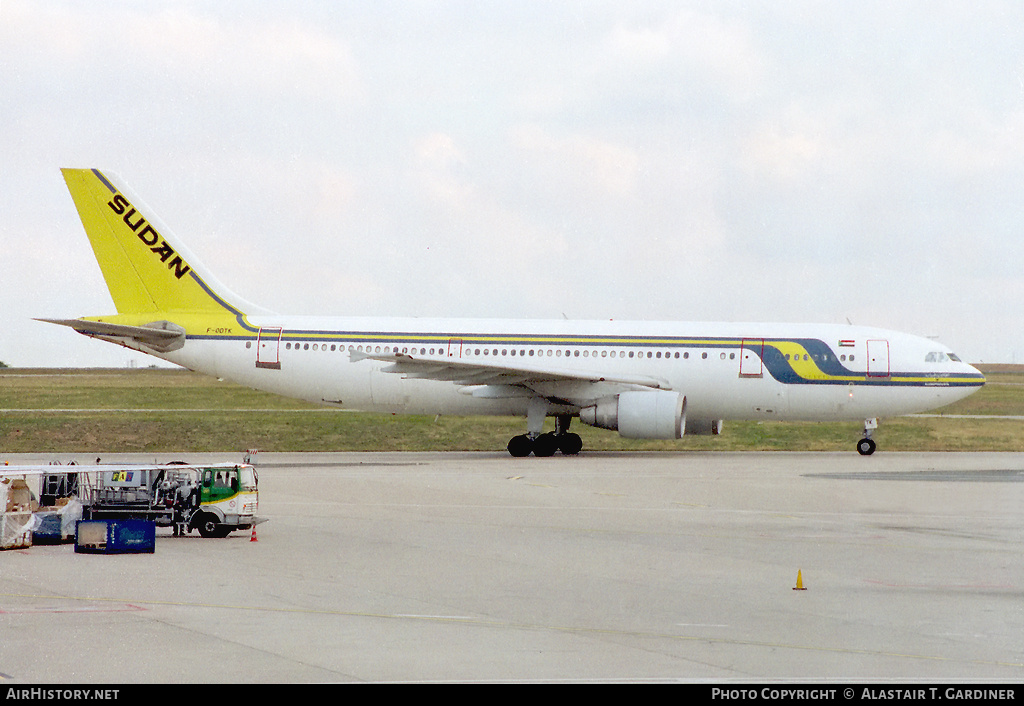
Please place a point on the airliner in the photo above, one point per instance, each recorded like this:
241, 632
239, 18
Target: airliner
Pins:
643, 379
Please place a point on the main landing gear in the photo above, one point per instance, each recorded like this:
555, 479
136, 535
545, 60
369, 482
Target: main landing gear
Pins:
866, 446
540, 444
545, 444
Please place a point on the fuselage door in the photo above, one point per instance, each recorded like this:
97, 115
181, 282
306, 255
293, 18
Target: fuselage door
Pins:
751, 363
454, 347
268, 348
878, 359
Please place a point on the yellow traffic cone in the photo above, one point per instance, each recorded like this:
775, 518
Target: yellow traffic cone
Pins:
799, 582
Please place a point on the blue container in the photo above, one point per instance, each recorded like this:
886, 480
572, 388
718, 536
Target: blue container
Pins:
49, 529
115, 537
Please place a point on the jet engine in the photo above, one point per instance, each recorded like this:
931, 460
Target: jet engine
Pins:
645, 414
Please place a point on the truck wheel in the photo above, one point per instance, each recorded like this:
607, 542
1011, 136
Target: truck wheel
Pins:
209, 527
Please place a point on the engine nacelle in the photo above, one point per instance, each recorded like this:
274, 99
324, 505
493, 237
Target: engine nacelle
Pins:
645, 414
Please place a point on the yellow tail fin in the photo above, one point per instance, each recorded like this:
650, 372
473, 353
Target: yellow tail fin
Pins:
146, 269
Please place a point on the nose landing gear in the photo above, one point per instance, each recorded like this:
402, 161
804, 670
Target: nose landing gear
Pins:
866, 446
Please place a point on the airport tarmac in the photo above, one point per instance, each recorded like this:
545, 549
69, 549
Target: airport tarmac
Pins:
433, 567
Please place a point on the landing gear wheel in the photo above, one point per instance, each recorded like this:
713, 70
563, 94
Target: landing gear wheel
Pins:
520, 446
570, 444
545, 445
866, 447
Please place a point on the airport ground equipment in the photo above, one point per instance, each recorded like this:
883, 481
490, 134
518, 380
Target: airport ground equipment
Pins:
116, 537
213, 499
16, 507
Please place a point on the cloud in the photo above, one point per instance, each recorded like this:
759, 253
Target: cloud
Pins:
200, 52
280, 56
688, 44
591, 166
653, 159
440, 169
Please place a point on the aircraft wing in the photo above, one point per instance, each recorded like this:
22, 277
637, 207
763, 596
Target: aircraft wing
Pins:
502, 380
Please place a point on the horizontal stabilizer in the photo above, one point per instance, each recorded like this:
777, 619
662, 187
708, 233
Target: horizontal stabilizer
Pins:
162, 336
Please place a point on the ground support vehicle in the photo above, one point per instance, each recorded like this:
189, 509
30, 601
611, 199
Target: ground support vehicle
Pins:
213, 499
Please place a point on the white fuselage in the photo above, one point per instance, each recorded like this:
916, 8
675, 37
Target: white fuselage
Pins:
725, 370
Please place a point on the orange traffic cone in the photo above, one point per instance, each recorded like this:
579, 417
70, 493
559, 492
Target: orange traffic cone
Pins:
253, 537
799, 582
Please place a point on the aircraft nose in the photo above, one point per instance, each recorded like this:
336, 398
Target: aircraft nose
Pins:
981, 376
971, 377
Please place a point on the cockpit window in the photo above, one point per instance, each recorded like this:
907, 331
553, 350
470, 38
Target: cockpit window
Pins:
954, 357
941, 357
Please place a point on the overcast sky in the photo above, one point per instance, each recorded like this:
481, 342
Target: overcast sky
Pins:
738, 161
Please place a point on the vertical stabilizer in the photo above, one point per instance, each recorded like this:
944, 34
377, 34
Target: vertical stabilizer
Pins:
146, 268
